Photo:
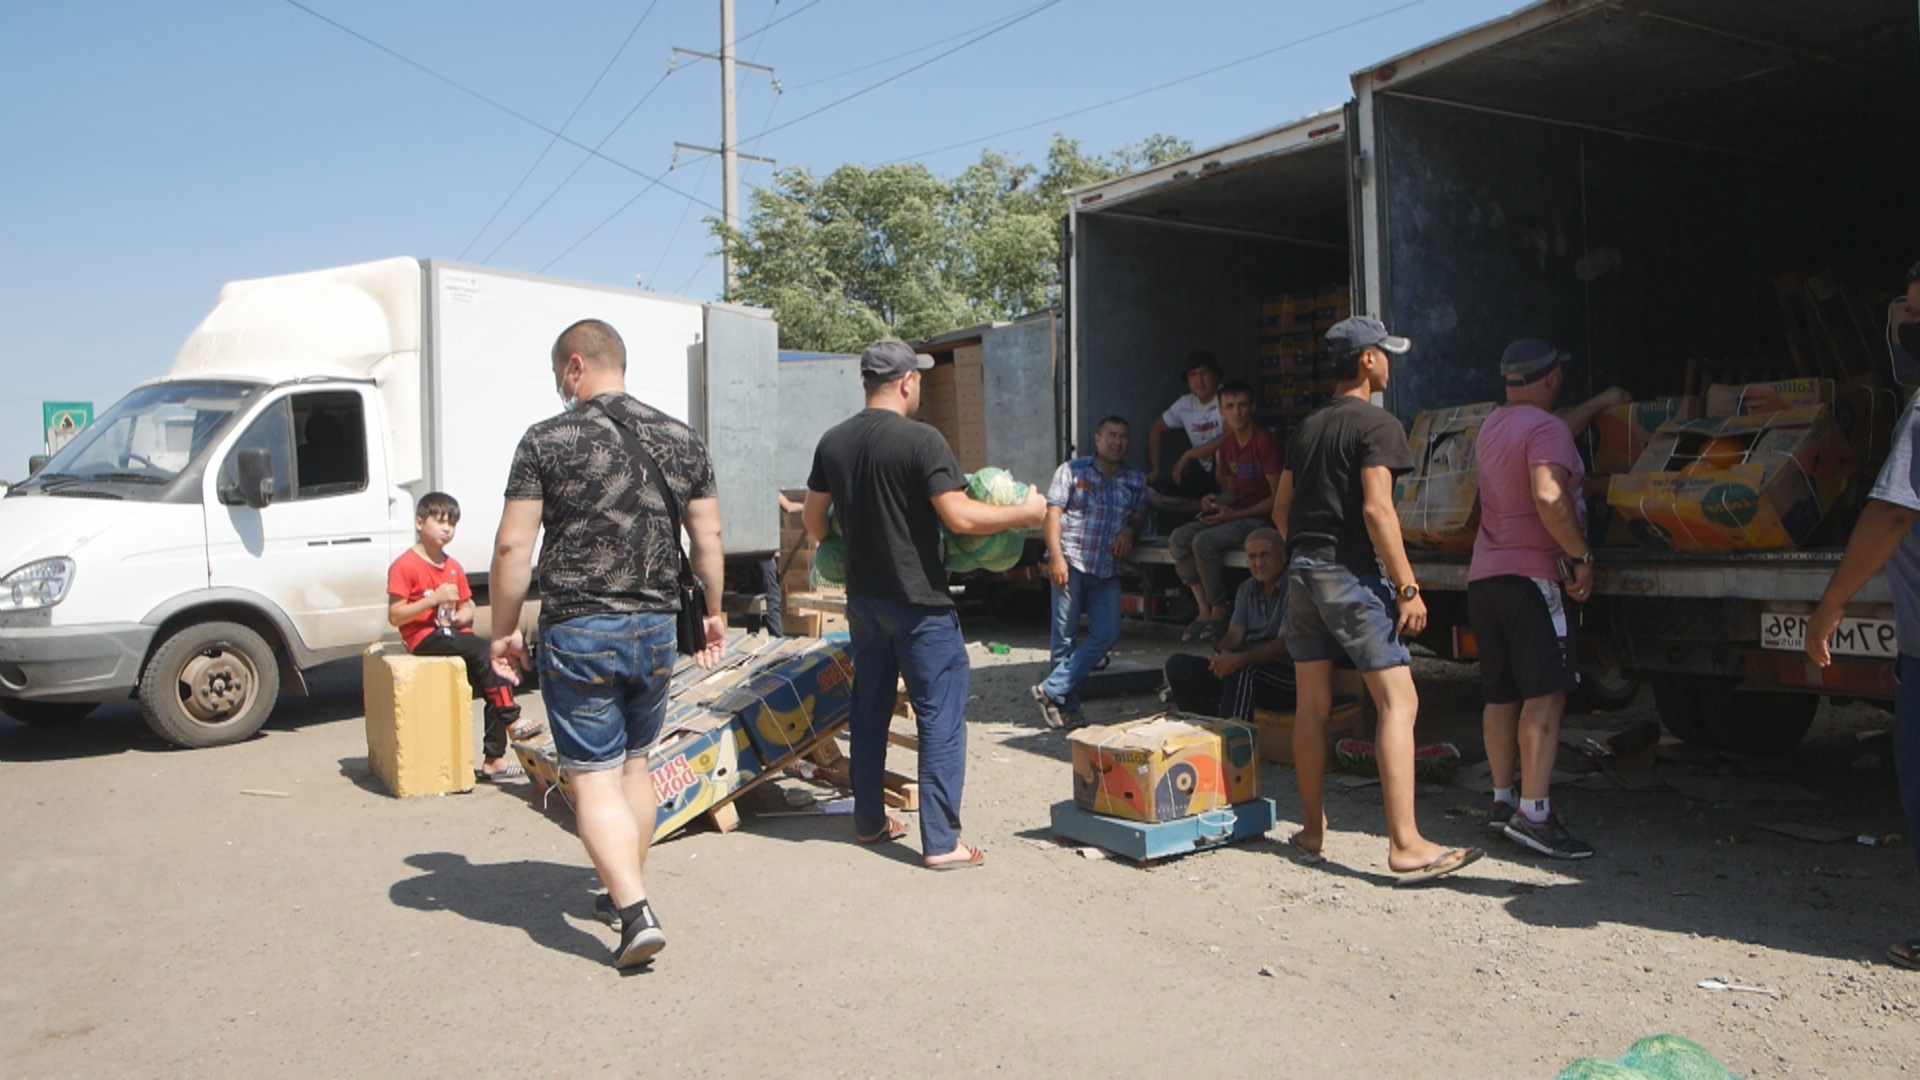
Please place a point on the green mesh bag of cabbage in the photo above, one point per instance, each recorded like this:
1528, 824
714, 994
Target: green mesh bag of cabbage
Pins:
999, 551
1656, 1057
995, 553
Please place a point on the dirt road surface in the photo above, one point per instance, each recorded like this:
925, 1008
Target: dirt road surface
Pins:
157, 921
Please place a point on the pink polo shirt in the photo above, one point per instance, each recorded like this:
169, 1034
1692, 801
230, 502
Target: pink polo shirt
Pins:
1512, 540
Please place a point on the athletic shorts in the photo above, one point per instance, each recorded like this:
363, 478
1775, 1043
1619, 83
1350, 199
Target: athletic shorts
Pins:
1525, 638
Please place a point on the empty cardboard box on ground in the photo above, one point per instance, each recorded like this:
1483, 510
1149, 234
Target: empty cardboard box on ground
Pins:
1168, 766
1757, 482
419, 721
1439, 502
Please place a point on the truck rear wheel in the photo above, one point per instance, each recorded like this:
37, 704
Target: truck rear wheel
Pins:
47, 713
1604, 691
1683, 713
1758, 722
209, 684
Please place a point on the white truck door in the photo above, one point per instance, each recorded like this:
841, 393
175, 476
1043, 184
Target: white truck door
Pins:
320, 549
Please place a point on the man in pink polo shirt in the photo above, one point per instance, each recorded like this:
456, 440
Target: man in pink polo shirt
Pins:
1530, 557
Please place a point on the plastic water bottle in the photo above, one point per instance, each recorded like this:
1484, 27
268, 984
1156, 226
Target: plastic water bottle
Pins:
443, 618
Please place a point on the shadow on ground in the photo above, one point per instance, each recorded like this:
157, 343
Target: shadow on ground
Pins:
532, 897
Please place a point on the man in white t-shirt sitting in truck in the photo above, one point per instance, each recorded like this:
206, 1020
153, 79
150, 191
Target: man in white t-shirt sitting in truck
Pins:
1197, 414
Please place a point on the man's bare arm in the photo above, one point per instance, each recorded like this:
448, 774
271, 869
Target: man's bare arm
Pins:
968, 518
814, 514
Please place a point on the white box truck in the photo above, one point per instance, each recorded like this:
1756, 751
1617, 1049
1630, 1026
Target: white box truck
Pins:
228, 526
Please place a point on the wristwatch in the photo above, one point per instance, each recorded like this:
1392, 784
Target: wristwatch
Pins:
1585, 558
1408, 591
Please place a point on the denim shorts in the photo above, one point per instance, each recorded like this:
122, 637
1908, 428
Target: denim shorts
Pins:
604, 679
1332, 612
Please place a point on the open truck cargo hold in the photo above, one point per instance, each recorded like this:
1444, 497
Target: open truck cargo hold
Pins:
1679, 192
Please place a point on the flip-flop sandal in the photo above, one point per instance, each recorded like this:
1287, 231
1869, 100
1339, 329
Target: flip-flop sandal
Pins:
1301, 855
1198, 630
894, 830
1440, 867
522, 730
1905, 954
511, 772
977, 857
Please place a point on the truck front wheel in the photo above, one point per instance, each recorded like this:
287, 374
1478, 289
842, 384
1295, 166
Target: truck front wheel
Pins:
47, 713
209, 685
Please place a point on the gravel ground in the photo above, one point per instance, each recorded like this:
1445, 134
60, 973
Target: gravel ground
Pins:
156, 921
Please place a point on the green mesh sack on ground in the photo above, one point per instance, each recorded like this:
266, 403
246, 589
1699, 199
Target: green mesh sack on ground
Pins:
1656, 1057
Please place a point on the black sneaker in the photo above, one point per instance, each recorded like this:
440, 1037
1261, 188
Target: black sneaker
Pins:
640, 940
1050, 711
1501, 813
1547, 837
604, 910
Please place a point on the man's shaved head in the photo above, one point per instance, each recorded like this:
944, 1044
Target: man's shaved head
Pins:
593, 341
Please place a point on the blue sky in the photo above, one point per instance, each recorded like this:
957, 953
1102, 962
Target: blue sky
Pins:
155, 151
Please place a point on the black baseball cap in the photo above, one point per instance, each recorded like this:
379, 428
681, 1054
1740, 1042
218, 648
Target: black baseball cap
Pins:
885, 361
1364, 332
1529, 359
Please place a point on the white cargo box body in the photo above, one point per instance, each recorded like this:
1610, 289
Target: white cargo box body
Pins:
461, 356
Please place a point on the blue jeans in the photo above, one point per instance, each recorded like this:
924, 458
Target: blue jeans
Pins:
604, 679
1332, 611
1906, 742
924, 645
1099, 599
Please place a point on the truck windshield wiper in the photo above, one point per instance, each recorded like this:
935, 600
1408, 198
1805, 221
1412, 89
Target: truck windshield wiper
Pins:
130, 477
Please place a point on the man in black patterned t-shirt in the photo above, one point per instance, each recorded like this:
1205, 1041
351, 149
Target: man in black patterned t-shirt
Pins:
609, 575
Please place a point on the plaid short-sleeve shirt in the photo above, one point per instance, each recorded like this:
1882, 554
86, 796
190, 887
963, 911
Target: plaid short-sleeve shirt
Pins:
1094, 508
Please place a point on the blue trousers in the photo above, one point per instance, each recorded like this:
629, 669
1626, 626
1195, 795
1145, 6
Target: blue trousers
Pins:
1099, 599
924, 645
1906, 742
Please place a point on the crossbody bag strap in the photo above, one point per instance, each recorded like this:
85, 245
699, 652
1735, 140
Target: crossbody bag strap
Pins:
636, 449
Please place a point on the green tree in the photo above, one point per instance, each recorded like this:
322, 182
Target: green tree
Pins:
860, 254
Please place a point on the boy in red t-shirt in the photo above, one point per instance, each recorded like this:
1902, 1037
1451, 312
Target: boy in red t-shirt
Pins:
429, 600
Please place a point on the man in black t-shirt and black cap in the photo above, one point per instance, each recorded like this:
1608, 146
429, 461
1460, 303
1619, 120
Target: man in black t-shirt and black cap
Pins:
1350, 590
892, 483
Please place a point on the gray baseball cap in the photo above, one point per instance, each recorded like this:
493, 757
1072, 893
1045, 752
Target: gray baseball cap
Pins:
888, 360
1529, 358
1364, 332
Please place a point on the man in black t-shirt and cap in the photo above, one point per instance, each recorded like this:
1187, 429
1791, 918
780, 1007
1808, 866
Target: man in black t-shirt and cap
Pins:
892, 483
1350, 590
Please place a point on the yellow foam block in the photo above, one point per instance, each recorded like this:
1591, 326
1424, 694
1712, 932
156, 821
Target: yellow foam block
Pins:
419, 721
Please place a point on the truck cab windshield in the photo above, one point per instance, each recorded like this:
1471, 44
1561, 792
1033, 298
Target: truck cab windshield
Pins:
137, 448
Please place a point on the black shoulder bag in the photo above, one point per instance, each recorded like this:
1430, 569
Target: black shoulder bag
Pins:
689, 624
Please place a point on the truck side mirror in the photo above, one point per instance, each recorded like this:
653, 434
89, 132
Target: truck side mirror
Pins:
254, 467
37, 462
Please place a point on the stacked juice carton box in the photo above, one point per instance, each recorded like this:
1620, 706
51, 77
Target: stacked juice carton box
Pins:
1164, 767
1294, 377
1759, 471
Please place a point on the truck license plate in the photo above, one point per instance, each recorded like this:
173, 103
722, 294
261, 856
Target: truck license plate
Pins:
1854, 637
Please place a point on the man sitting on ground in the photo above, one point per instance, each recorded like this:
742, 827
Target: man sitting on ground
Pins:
1250, 669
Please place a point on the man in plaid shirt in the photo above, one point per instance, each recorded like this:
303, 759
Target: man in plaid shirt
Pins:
1094, 507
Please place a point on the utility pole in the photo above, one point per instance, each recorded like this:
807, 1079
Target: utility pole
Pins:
729, 145
729, 150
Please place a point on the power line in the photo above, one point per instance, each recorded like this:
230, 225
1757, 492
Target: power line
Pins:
581, 164
883, 61
1024, 16
1165, 85
568, 122
772, 22
491, 103
608, 220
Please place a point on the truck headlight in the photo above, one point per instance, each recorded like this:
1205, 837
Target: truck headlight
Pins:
36, 585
